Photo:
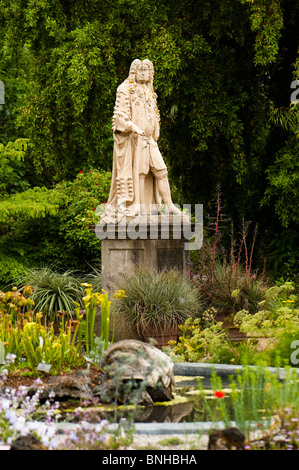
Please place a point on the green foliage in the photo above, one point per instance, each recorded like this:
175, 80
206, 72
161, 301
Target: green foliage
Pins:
159, 299
24, 335
53, 292
225, 276
58, 221
277, 320
11, 268
266, 19
277, 312
254, 395
282, 254
222, 73
20, 215
92, 301
202, 340
11, 173
282, 174
230, 288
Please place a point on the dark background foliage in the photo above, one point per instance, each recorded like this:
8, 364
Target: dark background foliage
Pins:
223, 72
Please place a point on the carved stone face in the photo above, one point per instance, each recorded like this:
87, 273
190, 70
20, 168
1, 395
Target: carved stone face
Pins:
142, 73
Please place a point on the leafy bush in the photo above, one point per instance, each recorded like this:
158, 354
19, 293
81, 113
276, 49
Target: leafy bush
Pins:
277, 320
11, 269
226, 277
158, 299
11, 174
201, 340
228, 288
52, 226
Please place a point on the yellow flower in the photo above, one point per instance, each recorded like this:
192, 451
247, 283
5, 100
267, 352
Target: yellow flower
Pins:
119, 294
268, 387
85, 284
99, 298
235, 293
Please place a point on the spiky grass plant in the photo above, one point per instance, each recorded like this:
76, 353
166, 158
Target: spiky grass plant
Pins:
159, 299
95, 279
53, 291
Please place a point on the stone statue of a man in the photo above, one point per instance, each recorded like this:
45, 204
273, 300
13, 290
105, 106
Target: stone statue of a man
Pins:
139, 176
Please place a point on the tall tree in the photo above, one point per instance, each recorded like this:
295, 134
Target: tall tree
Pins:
221, 69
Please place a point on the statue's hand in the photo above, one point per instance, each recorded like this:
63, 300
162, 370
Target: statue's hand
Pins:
137, 130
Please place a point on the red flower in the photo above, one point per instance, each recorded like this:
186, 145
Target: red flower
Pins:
104, 202
219, 394
96, 184
80, 171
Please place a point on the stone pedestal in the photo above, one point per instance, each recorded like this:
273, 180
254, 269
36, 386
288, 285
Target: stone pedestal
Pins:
159, 243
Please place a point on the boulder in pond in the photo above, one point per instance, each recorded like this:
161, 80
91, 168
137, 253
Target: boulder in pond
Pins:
138, 369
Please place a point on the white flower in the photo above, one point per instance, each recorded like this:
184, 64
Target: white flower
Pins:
20, 425
85, 425
10, 416
5, 404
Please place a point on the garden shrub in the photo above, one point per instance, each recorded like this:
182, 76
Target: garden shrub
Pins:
88, 191
252, 396
42, 227
278, 320
202, 340
163, 298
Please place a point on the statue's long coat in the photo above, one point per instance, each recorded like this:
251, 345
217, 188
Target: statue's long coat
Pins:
133, 154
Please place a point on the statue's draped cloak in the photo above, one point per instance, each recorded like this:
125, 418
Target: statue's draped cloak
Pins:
134, 154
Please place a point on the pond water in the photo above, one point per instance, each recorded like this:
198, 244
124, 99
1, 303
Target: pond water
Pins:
185, 407
187, 404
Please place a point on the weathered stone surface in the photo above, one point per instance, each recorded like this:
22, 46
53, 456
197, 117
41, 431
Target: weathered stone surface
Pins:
66, 387
28, 442
132, 371
139, 175
226, 439
148, 368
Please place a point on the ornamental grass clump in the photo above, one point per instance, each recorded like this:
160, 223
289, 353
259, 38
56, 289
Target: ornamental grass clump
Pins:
158, 300
225, 275
54, 292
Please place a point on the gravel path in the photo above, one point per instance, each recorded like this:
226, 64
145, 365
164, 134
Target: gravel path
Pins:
169, 442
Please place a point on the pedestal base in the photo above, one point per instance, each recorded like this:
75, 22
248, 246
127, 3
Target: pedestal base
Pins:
158, 246
123, 257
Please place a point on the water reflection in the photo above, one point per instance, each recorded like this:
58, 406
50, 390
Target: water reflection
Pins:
187, 406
